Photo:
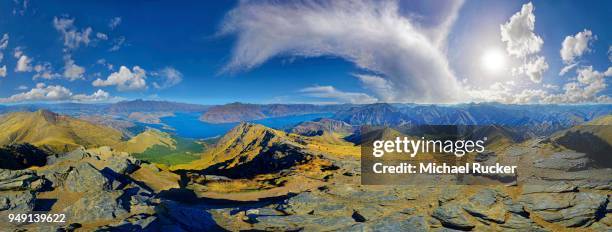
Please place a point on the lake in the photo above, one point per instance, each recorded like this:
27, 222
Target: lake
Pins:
188, 125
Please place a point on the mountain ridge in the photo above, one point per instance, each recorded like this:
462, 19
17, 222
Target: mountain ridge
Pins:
54, 132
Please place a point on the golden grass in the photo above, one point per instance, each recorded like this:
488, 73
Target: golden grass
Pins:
56, 132
145, 140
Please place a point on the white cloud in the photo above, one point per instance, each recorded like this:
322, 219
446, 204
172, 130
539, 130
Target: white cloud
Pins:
498, 92
170, 77
97, 96
518, 33
72, 37
42, 92
567, 68
371, 34
524, 44
3, 71
534, 69
18, 52
71, 70
105, 63
44, 71
574, 46
551, 86
330, 92
24, 64
586, 89
114, 22
117, 43
3, 45
4, 41
125, 79
610, 53
378, 85
608, 72
101, 36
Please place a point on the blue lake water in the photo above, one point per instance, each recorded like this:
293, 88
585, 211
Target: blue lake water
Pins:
188, 125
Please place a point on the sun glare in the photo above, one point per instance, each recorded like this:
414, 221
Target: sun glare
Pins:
493, 60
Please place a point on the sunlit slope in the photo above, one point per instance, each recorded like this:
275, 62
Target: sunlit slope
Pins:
241, 144
145, 140
57, 133
247, 143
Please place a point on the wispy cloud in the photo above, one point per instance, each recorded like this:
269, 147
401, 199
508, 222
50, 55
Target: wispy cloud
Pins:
114, 23
329, 92
168, 77
371, 34
72, 36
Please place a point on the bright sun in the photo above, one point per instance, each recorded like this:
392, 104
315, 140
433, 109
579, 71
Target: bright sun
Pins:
493, 61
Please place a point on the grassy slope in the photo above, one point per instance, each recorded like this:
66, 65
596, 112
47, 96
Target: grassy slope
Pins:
55, 132
145, 140
183, 151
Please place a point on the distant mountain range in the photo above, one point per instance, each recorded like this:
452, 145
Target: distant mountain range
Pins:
123, 107
239, 112
540, 118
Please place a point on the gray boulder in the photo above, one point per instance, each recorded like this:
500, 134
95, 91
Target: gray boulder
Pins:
452, 216
519, 223
568, 209
565, 161
17, 201
310, 203
85, 178
559, 187
96, 205
487, 205
121, 165
18, 180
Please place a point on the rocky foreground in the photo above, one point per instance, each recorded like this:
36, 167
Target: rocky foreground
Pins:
101, 189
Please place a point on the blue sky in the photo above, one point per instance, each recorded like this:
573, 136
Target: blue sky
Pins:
215, 52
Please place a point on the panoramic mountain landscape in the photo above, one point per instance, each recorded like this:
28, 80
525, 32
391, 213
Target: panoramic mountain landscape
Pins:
305, 115
286, 171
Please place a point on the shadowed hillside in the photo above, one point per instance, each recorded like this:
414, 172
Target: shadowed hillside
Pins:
593, 138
